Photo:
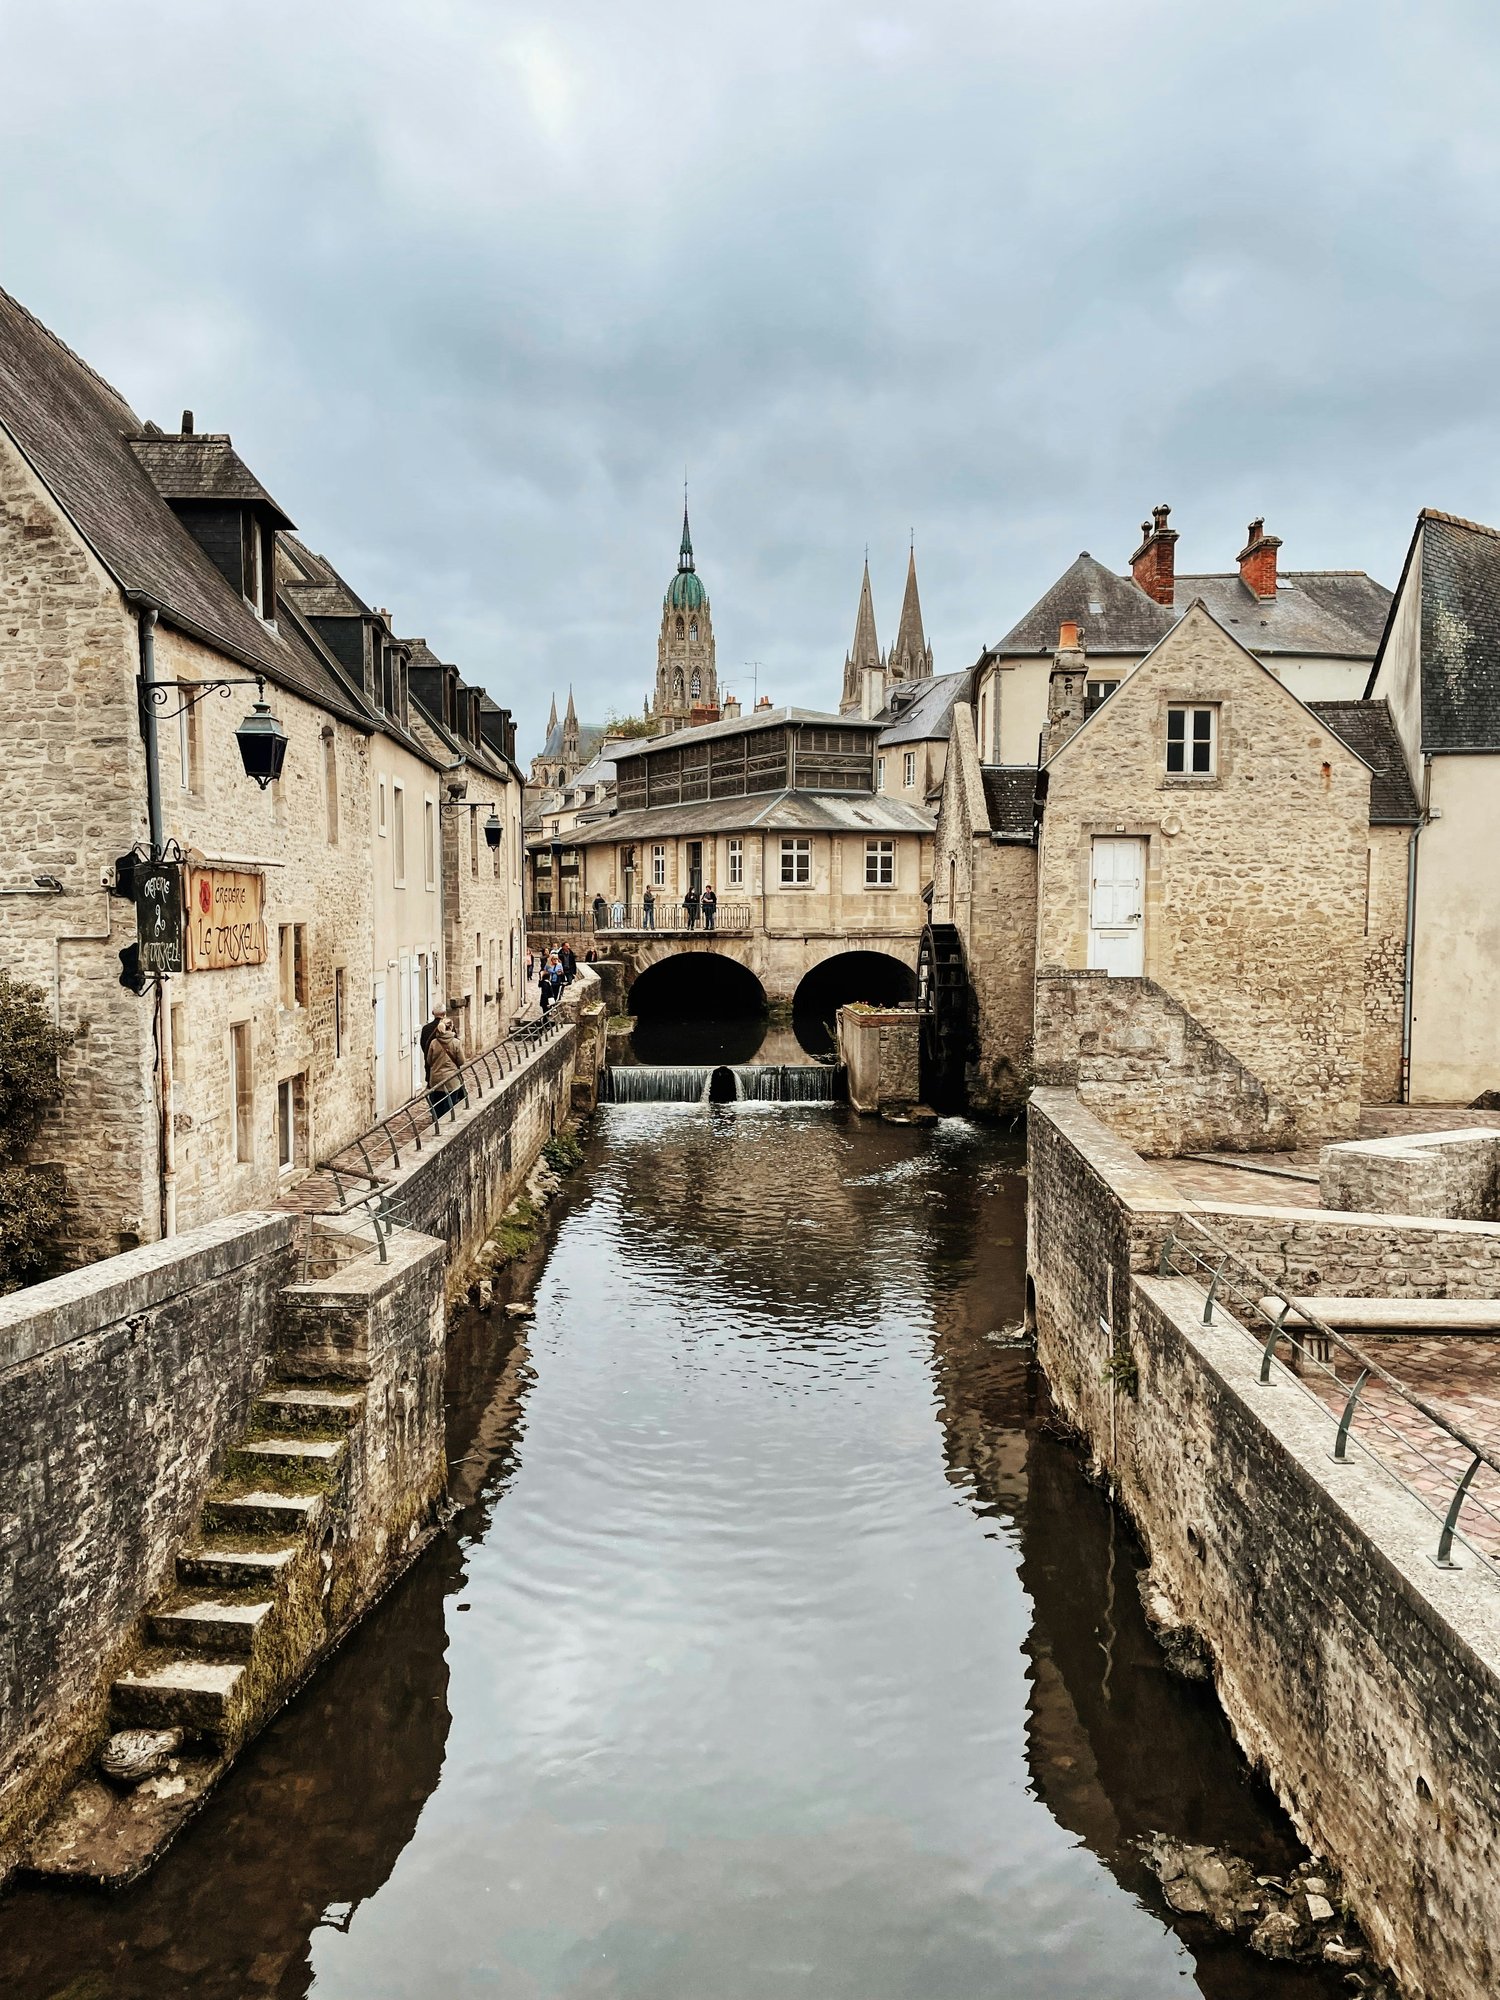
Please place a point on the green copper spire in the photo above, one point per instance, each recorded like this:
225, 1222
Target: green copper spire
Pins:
685, 593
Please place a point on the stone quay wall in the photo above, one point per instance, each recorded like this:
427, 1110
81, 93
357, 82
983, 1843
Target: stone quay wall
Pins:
121, 1387
1312, 1252
1416, 1173
1364, 1681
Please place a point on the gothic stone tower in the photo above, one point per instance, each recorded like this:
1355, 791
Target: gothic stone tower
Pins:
868, 673
687, 677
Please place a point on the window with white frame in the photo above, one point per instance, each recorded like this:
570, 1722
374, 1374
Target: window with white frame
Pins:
398, 834
381, 822
1096, 694
241, 1091
736, 863
1192, 742
187, 749
796, 859
880, 864
429, 841
658, 867
291, 1122
880, 774
909, 769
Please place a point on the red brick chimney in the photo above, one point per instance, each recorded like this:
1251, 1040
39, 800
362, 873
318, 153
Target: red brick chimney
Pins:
1257, 560
1154, 562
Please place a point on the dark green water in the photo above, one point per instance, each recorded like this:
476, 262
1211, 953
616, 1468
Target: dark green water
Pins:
780, 1651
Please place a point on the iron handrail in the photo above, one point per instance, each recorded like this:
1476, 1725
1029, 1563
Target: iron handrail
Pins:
667, 914
1176, 1253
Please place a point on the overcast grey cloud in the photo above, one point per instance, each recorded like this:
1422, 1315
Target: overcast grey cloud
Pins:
470, 283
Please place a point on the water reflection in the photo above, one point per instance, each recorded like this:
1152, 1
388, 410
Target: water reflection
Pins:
780, 1649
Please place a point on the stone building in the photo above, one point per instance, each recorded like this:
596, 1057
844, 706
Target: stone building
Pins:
1316, 629
1438, 671
1178, 894
911, 751
567, 748
132, 557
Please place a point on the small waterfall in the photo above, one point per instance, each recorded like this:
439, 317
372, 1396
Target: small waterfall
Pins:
664, 1083
722, 1083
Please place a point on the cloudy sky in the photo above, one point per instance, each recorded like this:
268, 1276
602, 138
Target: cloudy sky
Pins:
470, 282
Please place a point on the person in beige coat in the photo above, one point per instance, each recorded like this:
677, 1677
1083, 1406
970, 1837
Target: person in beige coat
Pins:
445, 1058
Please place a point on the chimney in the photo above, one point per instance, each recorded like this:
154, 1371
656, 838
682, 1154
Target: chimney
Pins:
1154, 563
731, 708
187, 423
1257, 560
1065, 690
764, 702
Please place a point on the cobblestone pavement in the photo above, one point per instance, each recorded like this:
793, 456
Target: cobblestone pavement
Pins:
1458, 1375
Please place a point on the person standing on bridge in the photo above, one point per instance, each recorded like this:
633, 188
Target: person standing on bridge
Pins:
648, 911
710, 907
690, 904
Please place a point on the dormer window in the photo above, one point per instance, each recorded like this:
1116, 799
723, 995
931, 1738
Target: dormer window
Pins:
257, 565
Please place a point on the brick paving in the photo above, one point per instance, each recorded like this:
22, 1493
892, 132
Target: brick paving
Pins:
1200, 1180
1460, 1376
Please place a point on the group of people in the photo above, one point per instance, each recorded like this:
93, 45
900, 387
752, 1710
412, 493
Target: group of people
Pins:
696, 903
559, 969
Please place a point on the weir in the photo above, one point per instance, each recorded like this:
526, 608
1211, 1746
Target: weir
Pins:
722, 1083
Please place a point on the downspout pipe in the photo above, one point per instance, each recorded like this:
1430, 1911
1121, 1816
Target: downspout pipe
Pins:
1408, 969
166, 1110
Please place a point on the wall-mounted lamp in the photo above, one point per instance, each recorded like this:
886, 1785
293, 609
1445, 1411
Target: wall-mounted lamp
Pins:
493, 830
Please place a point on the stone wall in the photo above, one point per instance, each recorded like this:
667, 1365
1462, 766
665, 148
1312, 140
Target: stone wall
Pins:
1363, 1680
986, 888
1456, 1174
881, 1050
1255, 873
1385, 962
1145, 1066
1313, 1253
120, 1387
74, 798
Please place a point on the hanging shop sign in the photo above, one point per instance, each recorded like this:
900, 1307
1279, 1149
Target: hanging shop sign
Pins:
225, 924
158, 917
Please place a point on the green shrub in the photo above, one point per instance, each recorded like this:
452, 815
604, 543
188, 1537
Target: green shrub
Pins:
562, 1153
31, 1197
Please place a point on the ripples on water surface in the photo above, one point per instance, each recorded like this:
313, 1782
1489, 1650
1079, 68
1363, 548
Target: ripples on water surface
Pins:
780, 1650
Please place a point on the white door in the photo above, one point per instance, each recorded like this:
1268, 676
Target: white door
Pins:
382, 1095
1117, 924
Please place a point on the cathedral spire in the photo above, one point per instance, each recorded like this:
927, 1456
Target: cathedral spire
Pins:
863, 656
685, 553
552, 716
911, 656
570, 728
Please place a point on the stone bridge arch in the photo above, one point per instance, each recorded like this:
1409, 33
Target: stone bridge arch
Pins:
780, 963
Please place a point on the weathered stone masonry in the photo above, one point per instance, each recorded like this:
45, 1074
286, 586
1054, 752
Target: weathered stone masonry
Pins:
1362, 1679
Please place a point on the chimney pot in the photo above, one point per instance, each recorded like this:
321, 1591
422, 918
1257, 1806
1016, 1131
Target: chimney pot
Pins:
187, 423
1153, 565
1257, 560
1067, 636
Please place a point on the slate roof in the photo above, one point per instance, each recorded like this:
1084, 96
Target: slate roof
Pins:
928, 714
758, 718
75, 430
1460, 633
1337, 613
203, 465
777, 812
1113, 614
590, 736
1370, 732
1010, 798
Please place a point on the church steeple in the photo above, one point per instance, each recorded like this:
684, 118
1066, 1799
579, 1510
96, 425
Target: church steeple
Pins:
552, 716
910, 658
863, 657
570, 730
687, 677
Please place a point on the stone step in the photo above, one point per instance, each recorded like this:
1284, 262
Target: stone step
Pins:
209, 1625
276, 1513
232, 1568
298, 1461
298, 1407
176, 1692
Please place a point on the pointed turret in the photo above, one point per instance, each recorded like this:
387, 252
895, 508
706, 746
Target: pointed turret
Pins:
552, 718
570, 729
863, 657
911, 656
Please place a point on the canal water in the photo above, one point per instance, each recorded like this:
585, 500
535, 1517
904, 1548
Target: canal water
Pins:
779, 1651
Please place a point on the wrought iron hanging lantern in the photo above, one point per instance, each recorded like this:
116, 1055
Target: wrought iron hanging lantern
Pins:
493, 828
262, 742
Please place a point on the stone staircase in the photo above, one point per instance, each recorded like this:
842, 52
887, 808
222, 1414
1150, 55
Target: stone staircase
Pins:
1146, 1066
246, 1617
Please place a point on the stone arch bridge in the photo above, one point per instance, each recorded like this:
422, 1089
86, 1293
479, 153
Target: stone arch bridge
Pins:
780, 963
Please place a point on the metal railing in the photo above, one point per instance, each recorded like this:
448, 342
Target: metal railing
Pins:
1313, 1345
358, 1170
663, 916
